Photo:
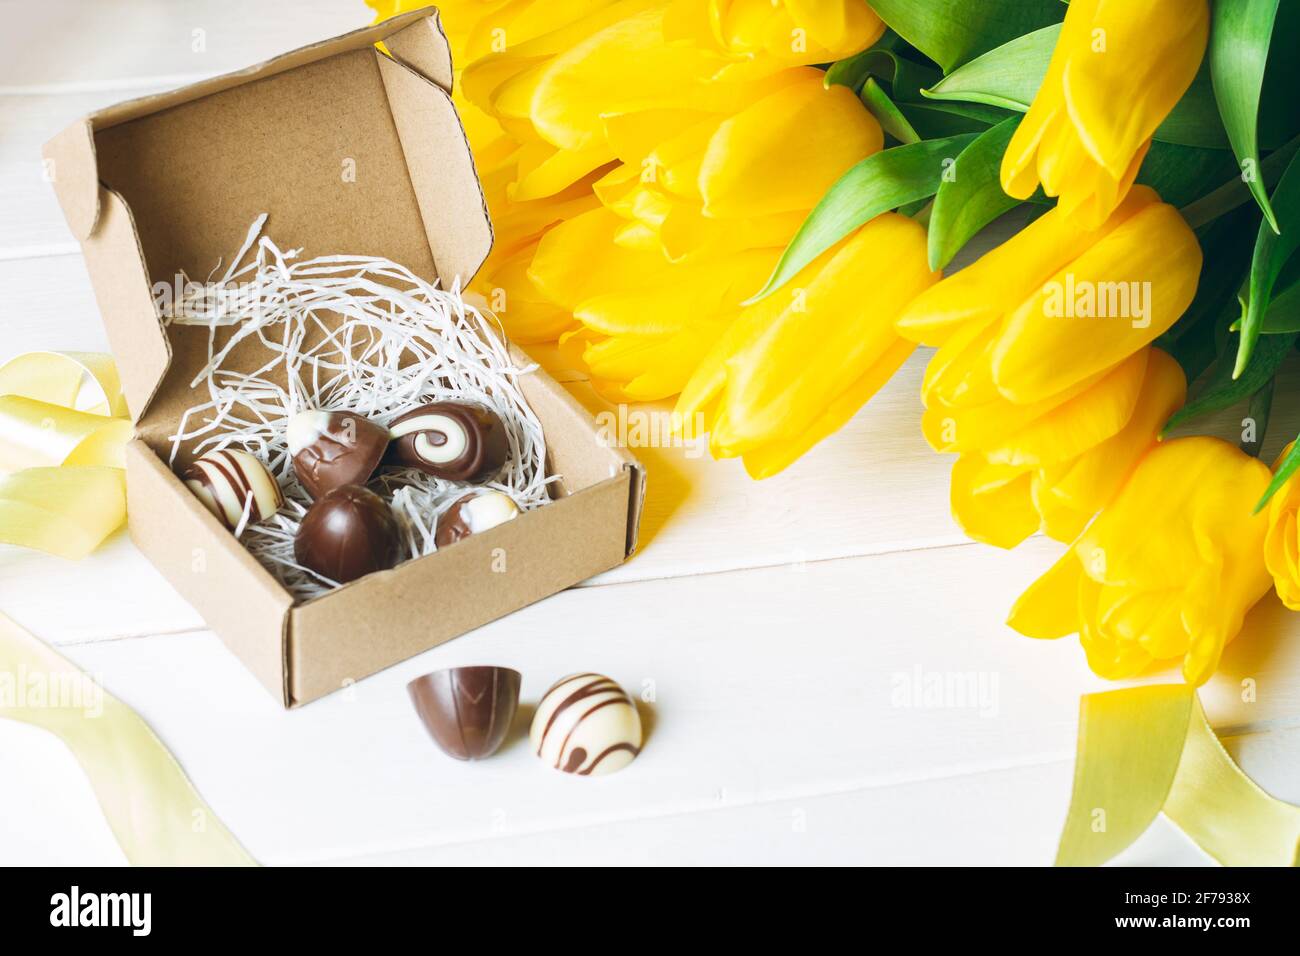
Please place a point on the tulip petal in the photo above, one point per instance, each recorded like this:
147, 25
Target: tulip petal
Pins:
623, 68
774, 457
992, 503
785, 151
1049, 608
1069, 493
1149, 56
1142, 276
1077, 425
801, 353
1005, 276
578, 259
683, 295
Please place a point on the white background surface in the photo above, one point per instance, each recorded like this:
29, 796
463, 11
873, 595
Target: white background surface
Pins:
773, 623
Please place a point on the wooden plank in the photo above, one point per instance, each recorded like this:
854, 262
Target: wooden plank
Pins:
33, 223
70, 44
1002, 818
770, 684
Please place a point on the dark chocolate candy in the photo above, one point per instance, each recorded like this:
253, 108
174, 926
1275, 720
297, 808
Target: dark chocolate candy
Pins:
347, 533
475, 512
467, 710
449, 440
330, 449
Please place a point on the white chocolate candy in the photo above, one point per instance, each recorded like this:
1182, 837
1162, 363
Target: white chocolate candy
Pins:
586, 724
488, 510
225, 481
473, 514
306, 428
453, 435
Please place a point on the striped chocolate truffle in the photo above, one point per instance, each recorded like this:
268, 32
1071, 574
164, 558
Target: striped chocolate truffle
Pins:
586, 724
225, 481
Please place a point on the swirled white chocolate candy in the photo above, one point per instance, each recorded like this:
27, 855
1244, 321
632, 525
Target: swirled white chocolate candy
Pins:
586, 724
476, 512
225, 481
449, 440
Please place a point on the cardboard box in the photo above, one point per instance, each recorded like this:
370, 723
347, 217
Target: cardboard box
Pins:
170, 183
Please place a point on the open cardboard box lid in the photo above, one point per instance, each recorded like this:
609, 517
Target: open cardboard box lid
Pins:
169, 183
349, 151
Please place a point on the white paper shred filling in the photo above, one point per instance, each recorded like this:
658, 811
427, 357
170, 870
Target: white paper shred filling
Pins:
385, 341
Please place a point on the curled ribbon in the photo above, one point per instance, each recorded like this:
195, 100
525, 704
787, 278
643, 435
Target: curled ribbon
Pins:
1147, 750
63, 426
155, 813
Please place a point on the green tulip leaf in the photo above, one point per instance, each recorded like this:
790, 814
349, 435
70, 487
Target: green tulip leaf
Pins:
1285, 470
952, 32
1270, 257
906, 78
940, 120
1180, 174
972, 196
881, 182
1240, 34
1283, 313
1010, 76
1201, 332
891, 120
1236, 192
1224, 391
1007, 77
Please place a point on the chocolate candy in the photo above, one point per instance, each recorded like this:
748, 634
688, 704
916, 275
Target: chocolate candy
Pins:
586, 724
467, 710
330, 449
347, 533
451, 441
225, 481
477, 511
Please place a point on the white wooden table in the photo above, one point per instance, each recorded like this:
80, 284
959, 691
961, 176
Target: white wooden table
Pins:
777, 625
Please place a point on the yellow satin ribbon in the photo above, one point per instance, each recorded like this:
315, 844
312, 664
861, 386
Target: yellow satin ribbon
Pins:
155, 813
1147, 750
63, 426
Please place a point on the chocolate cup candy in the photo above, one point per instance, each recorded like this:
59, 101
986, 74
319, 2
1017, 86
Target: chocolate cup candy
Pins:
467, 710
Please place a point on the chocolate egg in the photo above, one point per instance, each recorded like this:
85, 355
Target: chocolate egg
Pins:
347, 533
467, 710
449, 440
475, 512
586, 724
330, 449
225, 481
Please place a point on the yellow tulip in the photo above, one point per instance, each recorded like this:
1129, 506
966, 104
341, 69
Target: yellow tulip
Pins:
794, 367
1044, 382
650, 105
787, 31
692, 228
1056, 473
1282, 545
1167, 571
1118, 69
